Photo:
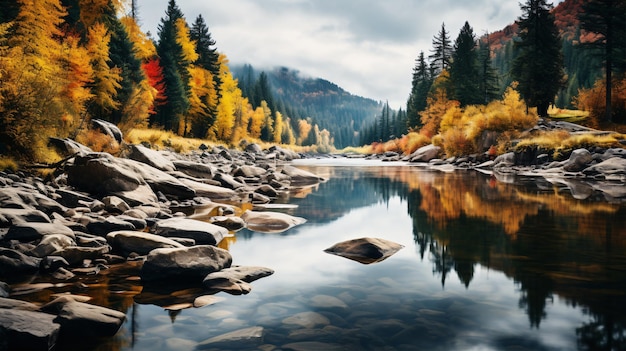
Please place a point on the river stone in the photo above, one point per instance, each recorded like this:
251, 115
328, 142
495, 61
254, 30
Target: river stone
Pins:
72, 198
14, 304
612, 166
110, 224
307, 320
151, 157
13, 263
270, 222
266, 190
52, 243
139, 242
228, 181
327, 301
240, 339
300, 177
231, 223
76, 255
18, 215
195, 169
36, 231
82, 320
160, 181
365, 250
248, 171
27, 330
247, 274
578, 160
213, 192
114, 204
68, 147
203, 233
425, 153
189, 263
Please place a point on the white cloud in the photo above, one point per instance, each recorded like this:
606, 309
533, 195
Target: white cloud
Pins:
367, 47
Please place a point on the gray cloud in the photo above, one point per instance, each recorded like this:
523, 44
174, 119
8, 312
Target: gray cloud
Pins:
367, 47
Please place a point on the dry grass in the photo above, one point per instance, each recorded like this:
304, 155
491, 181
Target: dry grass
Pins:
8, 164
561, 142
160, 139
98, 141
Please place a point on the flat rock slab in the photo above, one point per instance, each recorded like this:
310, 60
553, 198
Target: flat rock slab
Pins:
79, 319
189, 263
139, 242
365, 250
202, 232
270, 222
28, 330
239, 339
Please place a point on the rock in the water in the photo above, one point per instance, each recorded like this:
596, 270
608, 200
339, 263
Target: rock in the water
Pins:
141, 243
239, 339
195, 169
189, 263
76, 255
610, 167
203, 233
232, 223
13, 263
84, 320
36, 231
27, 330
425, 153
270, 222
151, 157
234, 280
300, 177
578, 160
213, 192
365, 250
52, 243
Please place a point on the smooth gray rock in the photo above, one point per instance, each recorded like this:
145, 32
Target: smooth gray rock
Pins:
196, 169
18, 215
67, 146
270, 222
14, 304
425, 153
160, 181
151, 157
202, 232
248, 171
52, 243
228, 181
13, 263
108, 128
75, 255
83, 320
247, 274
110, 224
365, 250
300, 177
189, 263
114, 204
231, 223
239, 339
213, 192
578, 160
139, 242
36, 231
504, 160
27, 330
612, 166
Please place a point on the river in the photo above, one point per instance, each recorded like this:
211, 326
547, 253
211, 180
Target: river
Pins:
486, 265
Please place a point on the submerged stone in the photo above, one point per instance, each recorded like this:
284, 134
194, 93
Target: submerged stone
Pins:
365, 250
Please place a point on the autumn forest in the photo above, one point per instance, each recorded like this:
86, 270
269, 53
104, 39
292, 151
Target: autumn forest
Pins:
65, 62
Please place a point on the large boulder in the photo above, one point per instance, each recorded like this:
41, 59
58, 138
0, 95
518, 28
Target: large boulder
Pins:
141, 243
151, 157
160, 181
190, 263
108, 128
612, 167
202, 232
102, 174
365, 250
79, 319
52, 243
270, 222
36, 231
14, 263
578, 160
300, 177
20, 215
27, 330
425, 153
213, 192
195, 169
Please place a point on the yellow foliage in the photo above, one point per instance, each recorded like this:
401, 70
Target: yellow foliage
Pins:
98, 141
136, 112
143, 45
106, 79
7, 163
256, 123
437, 105
183, 39
304, 128
561, 142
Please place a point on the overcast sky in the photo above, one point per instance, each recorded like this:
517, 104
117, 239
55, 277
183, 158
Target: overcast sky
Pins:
367, 47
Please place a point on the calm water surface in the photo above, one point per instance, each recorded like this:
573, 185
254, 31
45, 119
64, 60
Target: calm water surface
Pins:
486, 265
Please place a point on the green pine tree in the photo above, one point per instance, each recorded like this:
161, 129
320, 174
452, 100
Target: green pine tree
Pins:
464, 68
539, 66
442, 51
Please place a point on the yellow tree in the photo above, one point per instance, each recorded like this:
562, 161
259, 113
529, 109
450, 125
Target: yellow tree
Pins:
144, 46
78, 74
278, 127
107, 79
256, 123
304, 128
202, 100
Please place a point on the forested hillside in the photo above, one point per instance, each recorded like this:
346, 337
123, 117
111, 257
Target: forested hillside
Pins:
314, 99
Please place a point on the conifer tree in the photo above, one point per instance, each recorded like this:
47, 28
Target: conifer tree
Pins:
442, 51
607, 19
208, 57
539, 66
463, 68
419, 91
487, 75
171, 54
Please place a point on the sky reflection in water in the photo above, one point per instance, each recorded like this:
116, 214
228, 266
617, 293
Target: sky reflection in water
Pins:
485, 266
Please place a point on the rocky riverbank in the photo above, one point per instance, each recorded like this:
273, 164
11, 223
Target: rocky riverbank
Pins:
157, 214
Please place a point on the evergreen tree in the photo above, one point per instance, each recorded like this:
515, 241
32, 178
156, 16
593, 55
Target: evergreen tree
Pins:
607, 18
171, 54
442, 51
419, 91
463, 68
487, 75
208, 57
539, 66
